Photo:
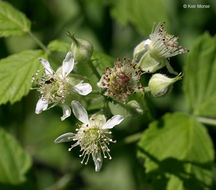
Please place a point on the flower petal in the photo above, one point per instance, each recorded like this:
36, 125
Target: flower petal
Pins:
66, 111
97, 161
97, 120
47, 67
42, 105
115, 120
68, 64
79, 112
67, 137
83, 88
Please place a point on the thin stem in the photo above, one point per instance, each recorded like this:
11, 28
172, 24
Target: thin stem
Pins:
133, 138
94, 69
129, 108
39, 43
208, 121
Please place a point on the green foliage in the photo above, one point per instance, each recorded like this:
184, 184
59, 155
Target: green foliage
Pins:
178, 152
16, 74
43, 147
12, 21
199, 83
101, 60
58, 45
97, 65
141, 13
14, 161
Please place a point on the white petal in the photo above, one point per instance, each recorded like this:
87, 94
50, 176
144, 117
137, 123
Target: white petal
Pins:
97, 161
83, 88
47, 67
97, 120
67, 137
115, 120
80, 112
42, 105
68, 64
66, 111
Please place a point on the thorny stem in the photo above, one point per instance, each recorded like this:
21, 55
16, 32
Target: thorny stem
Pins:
208, 121
39, 43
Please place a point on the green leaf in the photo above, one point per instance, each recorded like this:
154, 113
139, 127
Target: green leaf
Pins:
200, 78
101, 60
58, 45
178, 152
141, 13
16, 73
12, 21
14, 161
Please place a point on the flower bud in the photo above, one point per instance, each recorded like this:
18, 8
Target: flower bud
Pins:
81, 49
158, 84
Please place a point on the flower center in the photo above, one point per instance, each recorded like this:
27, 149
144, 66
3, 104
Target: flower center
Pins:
92, 135
120, 82
51, 87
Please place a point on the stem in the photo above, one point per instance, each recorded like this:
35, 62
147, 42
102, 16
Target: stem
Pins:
207, 121
129, 108
94, 69
38, 42
132, 138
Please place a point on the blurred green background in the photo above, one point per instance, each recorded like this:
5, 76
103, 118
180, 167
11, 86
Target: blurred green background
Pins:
114, 27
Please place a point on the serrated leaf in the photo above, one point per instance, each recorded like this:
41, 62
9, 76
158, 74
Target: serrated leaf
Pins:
141, 13
12, 21
200, 78
178, 152
16, 73
58, 45
14, 161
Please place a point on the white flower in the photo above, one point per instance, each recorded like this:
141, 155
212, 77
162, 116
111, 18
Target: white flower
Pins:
158, 84
56, 87
92, 136
122, 80
155, 50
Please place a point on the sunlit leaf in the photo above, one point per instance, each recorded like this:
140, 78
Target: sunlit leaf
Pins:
12, 21
14, 161
141, 13
178, 153
16, 73
200, 78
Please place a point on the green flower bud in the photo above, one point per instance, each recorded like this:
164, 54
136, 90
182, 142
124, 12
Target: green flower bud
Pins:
158, 84
81, 49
